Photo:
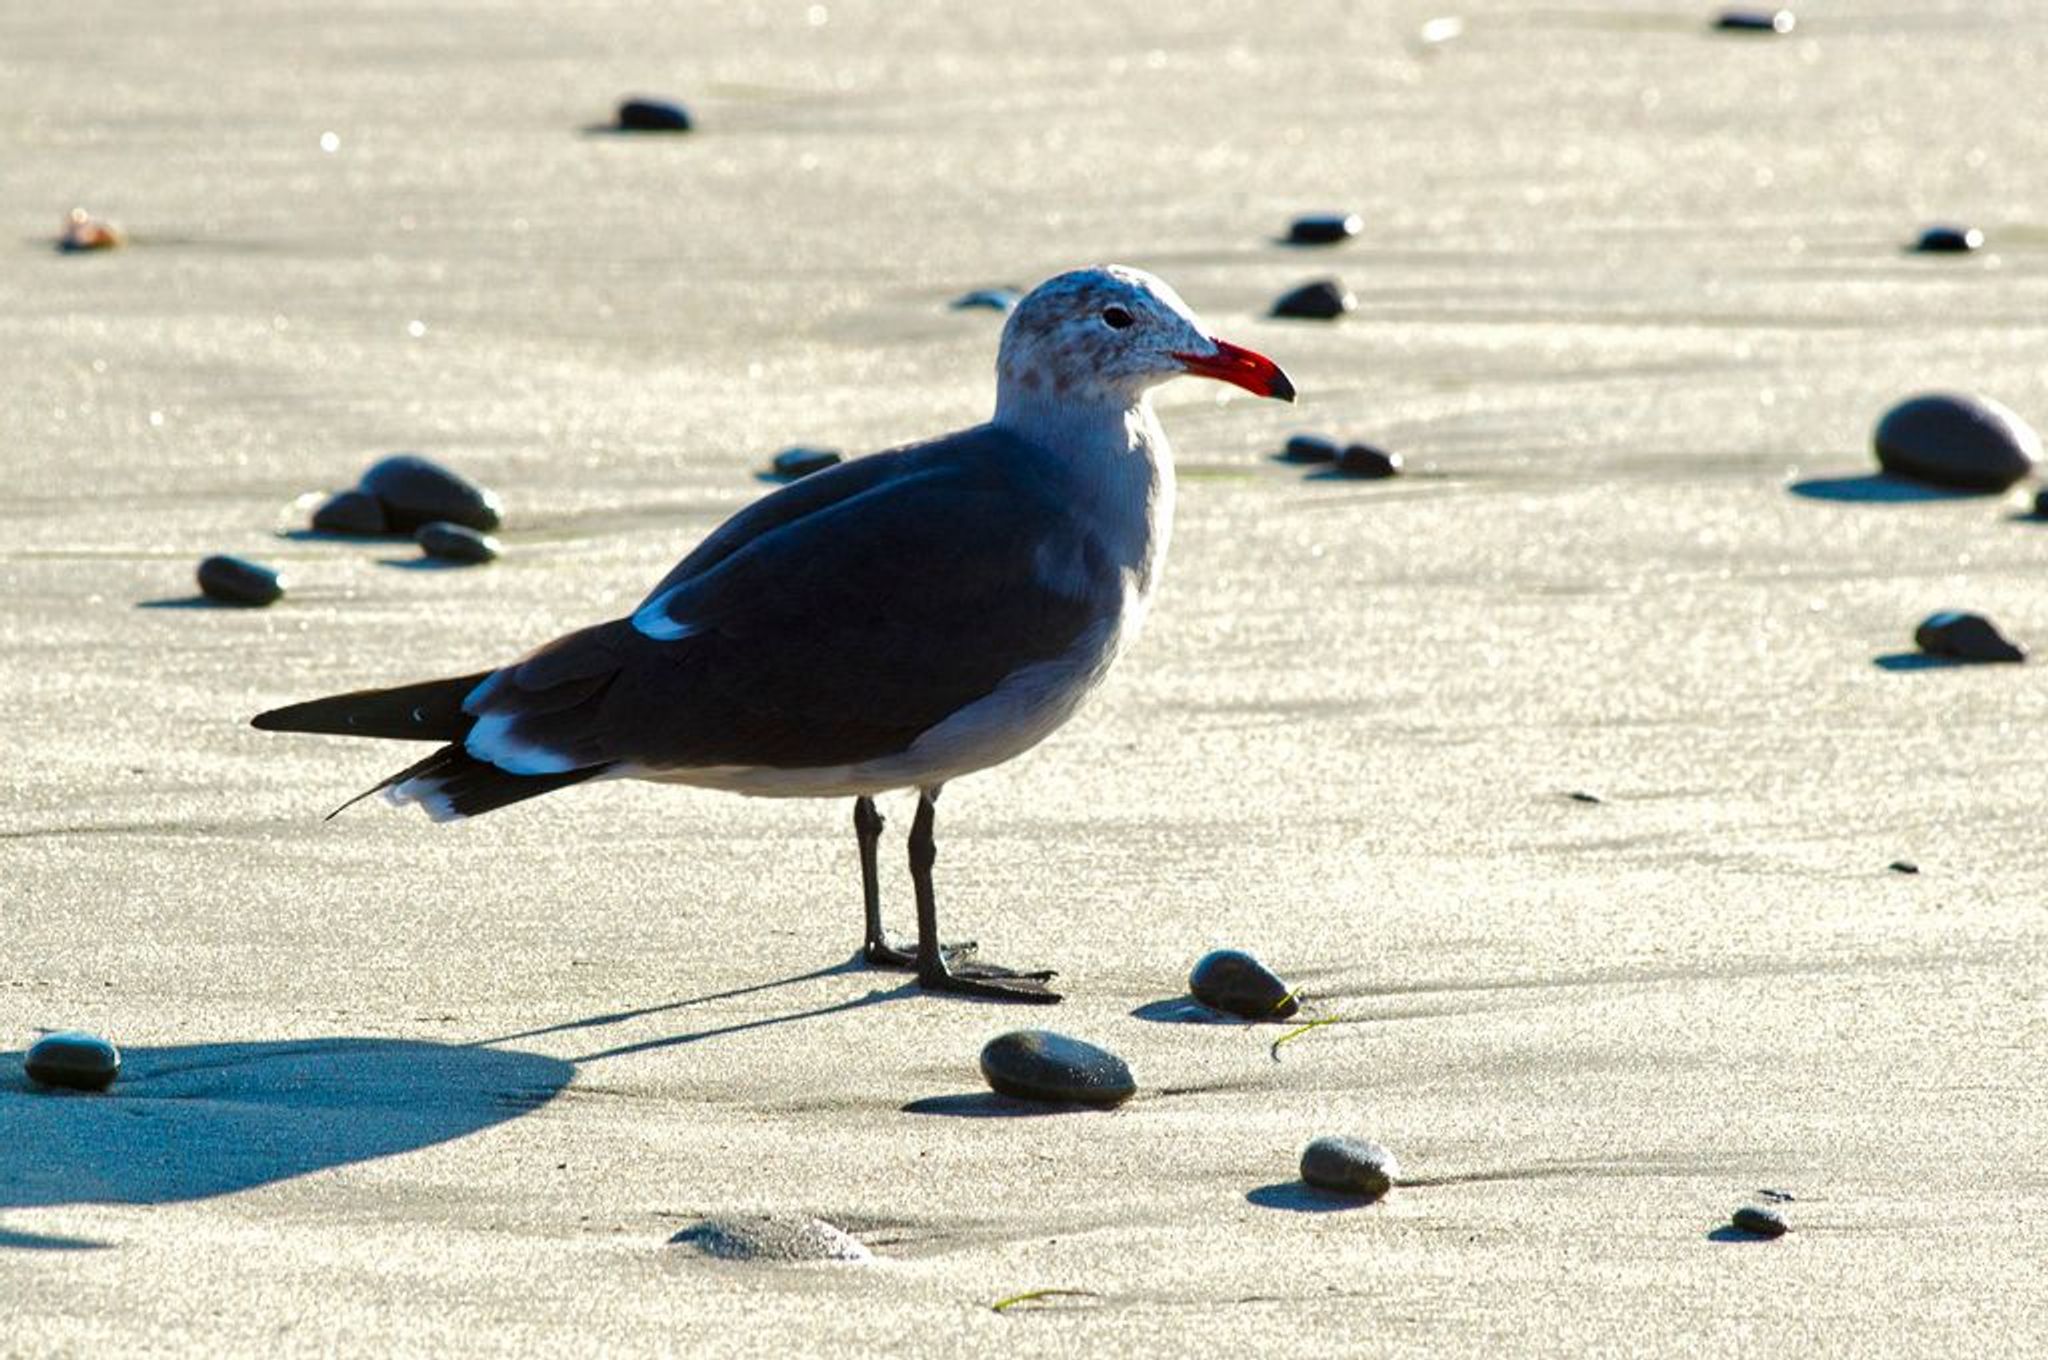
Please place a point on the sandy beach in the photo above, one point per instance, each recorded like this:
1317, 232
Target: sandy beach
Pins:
1632, 295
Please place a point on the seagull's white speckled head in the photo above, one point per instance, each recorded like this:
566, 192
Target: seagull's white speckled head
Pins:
1109, 334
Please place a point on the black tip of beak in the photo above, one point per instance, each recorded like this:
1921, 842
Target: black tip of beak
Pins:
1281, 387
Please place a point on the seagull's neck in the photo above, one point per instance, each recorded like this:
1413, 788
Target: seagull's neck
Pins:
1119, 452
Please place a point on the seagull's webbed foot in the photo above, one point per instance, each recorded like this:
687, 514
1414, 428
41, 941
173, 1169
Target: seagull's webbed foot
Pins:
887, 953
989, 980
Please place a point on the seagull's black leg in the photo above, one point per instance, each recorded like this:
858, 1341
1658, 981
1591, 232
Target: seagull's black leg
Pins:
877, 948
933, 972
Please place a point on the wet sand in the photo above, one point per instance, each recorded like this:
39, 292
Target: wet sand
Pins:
1632, 296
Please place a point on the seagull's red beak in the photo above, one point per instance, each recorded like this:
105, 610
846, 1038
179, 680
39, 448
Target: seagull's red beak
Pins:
1240, 367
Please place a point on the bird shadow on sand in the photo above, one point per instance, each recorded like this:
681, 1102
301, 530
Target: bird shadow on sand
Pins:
1879, 488
193, 1121
1299, 1197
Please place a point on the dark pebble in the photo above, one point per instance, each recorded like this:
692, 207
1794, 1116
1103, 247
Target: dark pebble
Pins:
1323, 300
1350, 1166
1903, 866
1971, 443
1946, 240
990, 299
1325, 229
1367, 460
1756, 21
653, 115
351, 512
1966, 637
2041, 504
1759, 1221
456, 543
1233, 981
83, 1062
415, 491
1309, 448
1585, 796
802, 462
1036, 1064
231, 580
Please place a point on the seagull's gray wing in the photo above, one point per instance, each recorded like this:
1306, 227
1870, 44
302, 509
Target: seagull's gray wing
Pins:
832, 634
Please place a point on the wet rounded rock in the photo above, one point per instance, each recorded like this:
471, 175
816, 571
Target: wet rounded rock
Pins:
1310, 448
653, 115
1236, 983
1036, 1064
1349, 1166
236, 580
73, 1059
1967, 442
1368, 460
802, 462
351, 512
1324, 229
1323, 300
456, 543
772, 1237
1759, 1221
1756, 21
1965, 637
416, 491
1948, 240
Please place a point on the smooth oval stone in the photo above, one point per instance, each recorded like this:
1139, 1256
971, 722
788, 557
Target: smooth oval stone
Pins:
415, 491
1350, 1166
2041, 504
1036, 1064
1324, 229
1754, 1218
990, 299
1323, 300
1970, 443
1947, 240
81, 1061
1367, 460
456, 543
653, 115
1903, 866
1757, 21
802, 462
1232, 981
1966, 637
772, 1237
1310, 448
351, 512
233, 580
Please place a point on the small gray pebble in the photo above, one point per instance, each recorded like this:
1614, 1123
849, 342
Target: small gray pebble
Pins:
1236, 983
771, 1237
1036, 1064
653, 115
1966, 637
1350, 1166
1756, 21
1947, 240
416, 491
802, 462
234, 580
1310, 448
988, 299
351, 512
1762, 1222
1324, 229
1966, 442
1367, 460
1323, 300
457, 543
73, 1058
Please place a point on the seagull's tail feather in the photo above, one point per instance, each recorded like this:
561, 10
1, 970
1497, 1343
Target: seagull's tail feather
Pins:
431, 711
452, 784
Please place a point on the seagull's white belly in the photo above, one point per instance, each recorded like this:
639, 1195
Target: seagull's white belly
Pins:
1025, 709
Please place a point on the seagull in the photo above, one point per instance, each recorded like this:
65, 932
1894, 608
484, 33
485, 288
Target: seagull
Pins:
892, 623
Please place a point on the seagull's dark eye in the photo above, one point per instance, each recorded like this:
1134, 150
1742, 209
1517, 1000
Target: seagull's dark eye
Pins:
1116, 318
